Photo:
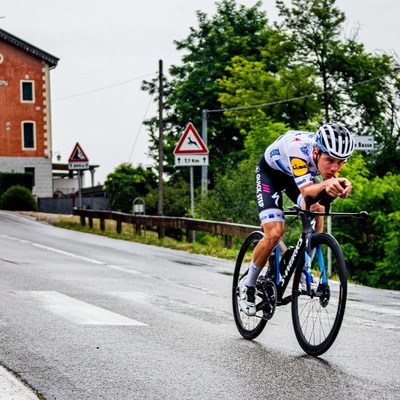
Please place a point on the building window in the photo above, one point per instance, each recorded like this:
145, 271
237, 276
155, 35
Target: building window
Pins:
28, 132
31, 170
27, 92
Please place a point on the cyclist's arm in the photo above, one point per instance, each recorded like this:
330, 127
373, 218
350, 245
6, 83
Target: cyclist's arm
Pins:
335, 187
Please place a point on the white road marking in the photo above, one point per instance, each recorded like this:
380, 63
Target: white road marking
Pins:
78, 311
65, 253
122, 269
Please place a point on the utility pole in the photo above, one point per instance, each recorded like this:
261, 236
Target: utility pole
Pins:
204, 173
160, 206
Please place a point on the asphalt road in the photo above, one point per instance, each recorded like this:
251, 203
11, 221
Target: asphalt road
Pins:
87, 317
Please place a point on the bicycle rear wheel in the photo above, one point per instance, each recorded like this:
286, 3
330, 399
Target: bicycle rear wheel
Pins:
317, 317
248, 327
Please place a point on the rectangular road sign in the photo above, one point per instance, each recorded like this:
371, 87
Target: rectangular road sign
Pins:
78, 165
364, 143
193, 160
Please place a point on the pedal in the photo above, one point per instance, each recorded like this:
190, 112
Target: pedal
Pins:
269, 298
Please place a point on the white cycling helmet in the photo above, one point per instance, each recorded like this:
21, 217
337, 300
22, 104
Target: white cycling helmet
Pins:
336, 141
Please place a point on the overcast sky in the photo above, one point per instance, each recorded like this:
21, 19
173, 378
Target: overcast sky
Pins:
106, 49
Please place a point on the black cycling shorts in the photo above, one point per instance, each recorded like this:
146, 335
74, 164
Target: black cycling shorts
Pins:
270, 185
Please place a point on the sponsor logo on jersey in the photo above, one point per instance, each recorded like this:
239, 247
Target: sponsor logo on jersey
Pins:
301, 182
266, 188
274, 215
299, 166
274, 152
260, 200
304, 150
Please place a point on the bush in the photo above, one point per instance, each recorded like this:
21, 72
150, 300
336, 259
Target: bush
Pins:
9, 179
18, 198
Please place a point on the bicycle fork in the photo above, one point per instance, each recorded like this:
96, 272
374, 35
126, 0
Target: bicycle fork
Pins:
309, 254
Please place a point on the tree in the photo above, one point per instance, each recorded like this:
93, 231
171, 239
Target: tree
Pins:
193, 87
358, 89
262, 95
127, 183
371, 247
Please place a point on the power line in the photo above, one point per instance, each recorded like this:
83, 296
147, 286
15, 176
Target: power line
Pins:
140, 128
103, 88
272, 103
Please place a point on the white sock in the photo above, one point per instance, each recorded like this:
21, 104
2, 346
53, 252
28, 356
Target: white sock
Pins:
254, 271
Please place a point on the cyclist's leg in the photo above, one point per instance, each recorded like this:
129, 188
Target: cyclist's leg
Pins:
269, 185
274, 231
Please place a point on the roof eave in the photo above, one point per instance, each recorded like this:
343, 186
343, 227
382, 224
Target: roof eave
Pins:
48, 58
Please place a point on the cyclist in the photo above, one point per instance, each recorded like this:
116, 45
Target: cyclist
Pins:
290, 165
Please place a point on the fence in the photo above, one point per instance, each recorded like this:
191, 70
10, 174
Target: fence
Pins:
227, 229
66, 205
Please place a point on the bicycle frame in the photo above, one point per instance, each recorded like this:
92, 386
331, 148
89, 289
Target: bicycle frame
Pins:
282, 278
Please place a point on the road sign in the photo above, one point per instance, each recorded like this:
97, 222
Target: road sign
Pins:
191, 160
78, 159
191, 143
364, 143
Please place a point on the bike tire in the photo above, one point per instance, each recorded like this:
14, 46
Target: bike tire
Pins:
248, 326
317, 319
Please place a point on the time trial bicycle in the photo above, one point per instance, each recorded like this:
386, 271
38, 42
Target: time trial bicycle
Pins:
318, 289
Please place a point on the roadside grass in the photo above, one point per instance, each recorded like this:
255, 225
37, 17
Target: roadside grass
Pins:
204, 244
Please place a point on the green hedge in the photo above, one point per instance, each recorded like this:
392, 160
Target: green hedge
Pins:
9, 179
18, 198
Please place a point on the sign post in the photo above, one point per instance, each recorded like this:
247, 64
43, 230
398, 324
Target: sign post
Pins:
191, 151
78, 161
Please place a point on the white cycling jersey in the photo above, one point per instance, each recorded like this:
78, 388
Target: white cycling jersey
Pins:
291, 153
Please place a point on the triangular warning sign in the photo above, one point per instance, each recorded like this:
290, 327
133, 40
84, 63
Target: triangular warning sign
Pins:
78, 155
190, 142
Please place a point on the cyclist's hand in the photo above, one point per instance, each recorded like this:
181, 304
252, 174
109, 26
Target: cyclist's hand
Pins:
339, 187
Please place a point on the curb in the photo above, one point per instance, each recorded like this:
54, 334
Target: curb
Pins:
11, 388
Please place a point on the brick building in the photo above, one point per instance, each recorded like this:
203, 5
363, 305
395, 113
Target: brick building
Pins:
25, 112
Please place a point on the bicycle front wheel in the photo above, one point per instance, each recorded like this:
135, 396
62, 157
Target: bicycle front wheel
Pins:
317, 315
248, 326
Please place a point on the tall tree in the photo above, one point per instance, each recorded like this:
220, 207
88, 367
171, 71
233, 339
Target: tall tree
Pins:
209, 49
357, 88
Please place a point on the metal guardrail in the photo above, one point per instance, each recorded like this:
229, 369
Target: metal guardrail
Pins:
227, 229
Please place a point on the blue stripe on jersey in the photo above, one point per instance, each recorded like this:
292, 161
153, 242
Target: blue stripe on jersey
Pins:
282, 167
